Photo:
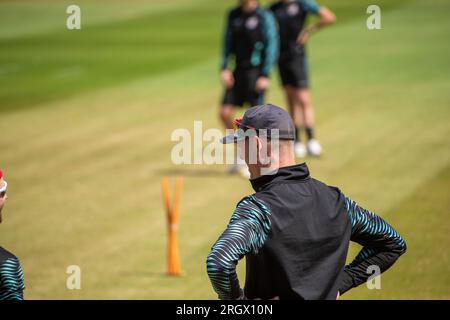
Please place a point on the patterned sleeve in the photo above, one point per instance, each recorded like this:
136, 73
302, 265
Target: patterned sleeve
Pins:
11, 280
310, 6
246, 233
382, 245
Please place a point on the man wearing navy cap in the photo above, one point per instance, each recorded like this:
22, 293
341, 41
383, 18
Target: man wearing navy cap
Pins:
294, 230
11, 275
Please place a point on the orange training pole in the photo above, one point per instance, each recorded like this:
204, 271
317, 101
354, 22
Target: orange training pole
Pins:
173, 258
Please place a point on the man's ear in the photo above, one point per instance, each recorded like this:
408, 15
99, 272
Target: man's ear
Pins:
258, 144
263, 152
258, 149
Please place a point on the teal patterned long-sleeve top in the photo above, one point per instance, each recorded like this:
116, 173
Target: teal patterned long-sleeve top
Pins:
11, 277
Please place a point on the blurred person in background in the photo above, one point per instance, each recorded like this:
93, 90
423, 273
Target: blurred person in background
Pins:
11, 275
293, 65
251, 38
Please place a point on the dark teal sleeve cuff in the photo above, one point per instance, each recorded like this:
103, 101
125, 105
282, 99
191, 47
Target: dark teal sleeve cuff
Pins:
310, 6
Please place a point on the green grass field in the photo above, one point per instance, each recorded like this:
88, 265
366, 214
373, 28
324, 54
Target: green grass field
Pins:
86, 118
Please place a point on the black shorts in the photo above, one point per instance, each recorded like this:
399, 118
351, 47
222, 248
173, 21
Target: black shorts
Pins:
294, 71
244, 89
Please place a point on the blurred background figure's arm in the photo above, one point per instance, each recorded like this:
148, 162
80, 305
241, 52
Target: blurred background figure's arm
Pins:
326, 17
226, 75
271, 51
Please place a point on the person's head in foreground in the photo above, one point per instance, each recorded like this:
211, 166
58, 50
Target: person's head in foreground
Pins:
11, 275
294, 230
3, 196
265, 139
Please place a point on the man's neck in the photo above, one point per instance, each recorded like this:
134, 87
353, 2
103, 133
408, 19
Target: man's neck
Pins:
258, 171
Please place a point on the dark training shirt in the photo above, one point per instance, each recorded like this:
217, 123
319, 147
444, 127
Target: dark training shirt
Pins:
252, 39
291, 18
295, 233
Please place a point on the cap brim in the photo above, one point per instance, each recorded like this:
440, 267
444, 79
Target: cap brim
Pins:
231, 138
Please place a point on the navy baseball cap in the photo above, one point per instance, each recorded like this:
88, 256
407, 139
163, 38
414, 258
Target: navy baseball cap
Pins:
263, 119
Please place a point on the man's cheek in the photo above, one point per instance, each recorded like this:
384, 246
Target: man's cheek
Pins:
241, 153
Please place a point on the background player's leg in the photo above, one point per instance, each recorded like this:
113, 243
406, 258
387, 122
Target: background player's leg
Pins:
226, 114
297, 116
304, 98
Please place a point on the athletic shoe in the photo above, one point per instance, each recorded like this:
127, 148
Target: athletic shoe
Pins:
314, 148
300, 149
